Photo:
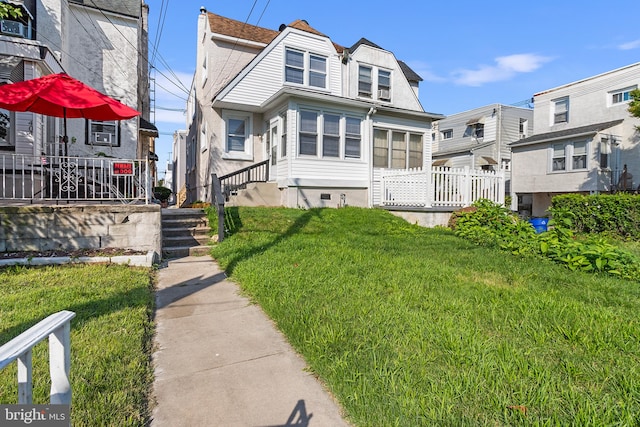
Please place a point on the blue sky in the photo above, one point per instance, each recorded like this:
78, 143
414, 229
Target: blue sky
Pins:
469, 53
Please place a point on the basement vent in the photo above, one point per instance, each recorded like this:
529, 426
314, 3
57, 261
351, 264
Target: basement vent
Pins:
325, 196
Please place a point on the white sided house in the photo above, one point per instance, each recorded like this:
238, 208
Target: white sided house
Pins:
584, 141
322, 120
480, 138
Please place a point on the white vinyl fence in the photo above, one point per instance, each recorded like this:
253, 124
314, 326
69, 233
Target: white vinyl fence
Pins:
440, 187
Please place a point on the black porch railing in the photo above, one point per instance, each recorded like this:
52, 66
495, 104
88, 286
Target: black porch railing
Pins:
238, 180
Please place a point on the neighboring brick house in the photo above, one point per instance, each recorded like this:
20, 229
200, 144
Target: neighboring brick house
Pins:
102, 43
325, 117
480, 138
584, 141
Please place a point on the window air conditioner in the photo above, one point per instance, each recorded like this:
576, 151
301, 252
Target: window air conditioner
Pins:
523, 136
102, 138
383, 94
12, 27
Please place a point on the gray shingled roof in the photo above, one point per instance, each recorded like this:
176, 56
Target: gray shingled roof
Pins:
566, 133
364, 42
411, 75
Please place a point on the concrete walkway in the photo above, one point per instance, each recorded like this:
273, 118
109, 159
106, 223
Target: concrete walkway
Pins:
220, 361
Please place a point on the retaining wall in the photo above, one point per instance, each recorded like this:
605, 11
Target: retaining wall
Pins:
45, 228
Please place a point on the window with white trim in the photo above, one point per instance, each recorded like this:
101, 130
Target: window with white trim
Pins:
283, 135
384, 85
579, 155
364, 81
305, 68
447, 134
523, 127
397, 149
237, 133
308, 138
294, 66
329, 135
353, 138
558, 159
205, 63
7, 119
572, 156
317, 71
561, 110
238, 136
415, 150
103, 133
621, 96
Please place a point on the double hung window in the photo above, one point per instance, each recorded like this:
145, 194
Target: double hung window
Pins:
305, 68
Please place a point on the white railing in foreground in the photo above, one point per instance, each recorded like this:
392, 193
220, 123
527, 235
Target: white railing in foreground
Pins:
440, 187
58, 328
55, 178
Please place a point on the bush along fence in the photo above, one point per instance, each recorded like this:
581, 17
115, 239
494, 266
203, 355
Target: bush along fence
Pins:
603, 213
493, 225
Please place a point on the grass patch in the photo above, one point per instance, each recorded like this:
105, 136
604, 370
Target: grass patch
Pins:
111, 337
410, 326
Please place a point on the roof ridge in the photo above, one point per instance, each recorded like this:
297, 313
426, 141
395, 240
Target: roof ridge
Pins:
242, 30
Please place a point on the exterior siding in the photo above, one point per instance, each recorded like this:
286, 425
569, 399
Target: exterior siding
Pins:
267, 76
402, 94
589, 104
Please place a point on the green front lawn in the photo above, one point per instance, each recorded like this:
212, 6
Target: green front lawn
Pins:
410, 326
111, 337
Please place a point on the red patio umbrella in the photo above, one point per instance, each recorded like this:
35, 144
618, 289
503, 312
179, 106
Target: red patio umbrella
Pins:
60, 95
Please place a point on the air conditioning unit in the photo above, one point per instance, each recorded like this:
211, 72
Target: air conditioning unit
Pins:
384, 94
102, 138
523, 136
12, 28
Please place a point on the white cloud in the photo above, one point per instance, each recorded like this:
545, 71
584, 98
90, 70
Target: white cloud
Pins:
630, 45
505, 67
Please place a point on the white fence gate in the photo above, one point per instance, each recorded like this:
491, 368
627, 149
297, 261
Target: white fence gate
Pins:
440, 187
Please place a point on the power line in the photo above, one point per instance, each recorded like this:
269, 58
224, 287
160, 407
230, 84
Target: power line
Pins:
140, 56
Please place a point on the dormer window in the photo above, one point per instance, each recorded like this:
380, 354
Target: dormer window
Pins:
317, 71
364, 81
384, 85
294, 67
304, 68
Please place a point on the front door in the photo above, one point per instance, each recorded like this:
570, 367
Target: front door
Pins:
272, 149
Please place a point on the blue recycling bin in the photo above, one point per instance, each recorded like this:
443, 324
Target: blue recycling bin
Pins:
540, 224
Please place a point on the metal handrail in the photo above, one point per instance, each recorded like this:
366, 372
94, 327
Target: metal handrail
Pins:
239, 179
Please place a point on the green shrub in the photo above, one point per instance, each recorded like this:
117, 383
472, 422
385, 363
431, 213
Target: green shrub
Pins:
618, 214
490, 224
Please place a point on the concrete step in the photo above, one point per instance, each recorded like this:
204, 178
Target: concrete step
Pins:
185, 240
182, 231
185, 232
182, 251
